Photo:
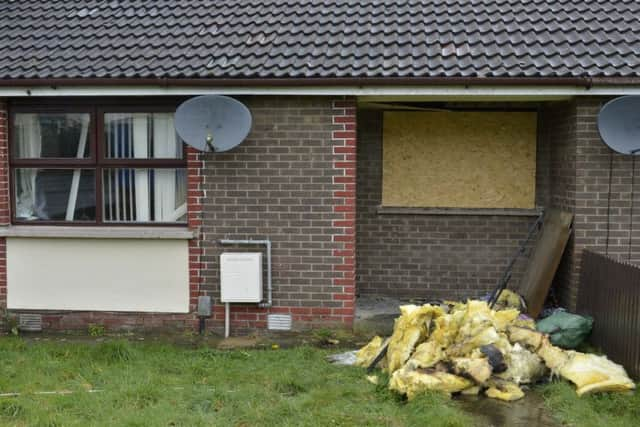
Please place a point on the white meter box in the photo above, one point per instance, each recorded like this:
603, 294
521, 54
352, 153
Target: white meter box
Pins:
241, 277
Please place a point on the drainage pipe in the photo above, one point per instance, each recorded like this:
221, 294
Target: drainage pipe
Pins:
269, 302
227, 309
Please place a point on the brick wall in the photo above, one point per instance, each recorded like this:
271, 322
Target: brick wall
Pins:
599, 191
195, 195
4, 205
558, 131
594, 183
344, 198
293, 182
603, 190
430, 256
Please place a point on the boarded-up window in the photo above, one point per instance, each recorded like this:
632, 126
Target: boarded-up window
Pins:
459, 159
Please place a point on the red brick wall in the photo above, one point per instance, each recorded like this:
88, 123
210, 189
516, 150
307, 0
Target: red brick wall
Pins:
4, 203
292, 181
195, 196
344, 193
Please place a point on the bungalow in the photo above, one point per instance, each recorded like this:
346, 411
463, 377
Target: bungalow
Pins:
398, 148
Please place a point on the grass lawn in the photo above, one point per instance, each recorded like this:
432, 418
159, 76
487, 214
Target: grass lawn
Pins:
597, 410
144, 384
151, 384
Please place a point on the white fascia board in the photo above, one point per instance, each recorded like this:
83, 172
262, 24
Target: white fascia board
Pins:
530, 91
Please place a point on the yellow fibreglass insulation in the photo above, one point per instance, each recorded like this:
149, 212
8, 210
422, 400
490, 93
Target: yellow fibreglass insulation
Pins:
443, 348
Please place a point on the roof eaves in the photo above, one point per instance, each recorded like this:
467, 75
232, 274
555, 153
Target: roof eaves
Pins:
335, 81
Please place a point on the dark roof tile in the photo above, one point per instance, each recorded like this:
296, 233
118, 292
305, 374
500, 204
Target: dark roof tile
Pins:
318, 38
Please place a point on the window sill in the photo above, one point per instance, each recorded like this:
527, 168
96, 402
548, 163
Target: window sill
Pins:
45, 231
388, 210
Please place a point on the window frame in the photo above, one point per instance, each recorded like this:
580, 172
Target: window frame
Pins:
96, 160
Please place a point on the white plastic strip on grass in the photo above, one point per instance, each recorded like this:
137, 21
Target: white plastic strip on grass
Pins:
16, 394
66, 392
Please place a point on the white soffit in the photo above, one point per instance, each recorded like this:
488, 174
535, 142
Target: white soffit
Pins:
368, 93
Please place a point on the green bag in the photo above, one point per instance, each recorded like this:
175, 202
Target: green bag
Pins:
566, 330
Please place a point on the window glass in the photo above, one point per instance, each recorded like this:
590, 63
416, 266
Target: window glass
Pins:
141, 136
144, 195
130, 169
51, 135
55, 194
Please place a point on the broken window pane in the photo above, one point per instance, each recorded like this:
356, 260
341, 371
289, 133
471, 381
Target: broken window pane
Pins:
51, 135
55, 194
144, 195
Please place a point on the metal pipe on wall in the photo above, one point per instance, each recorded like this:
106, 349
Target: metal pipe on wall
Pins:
227, 311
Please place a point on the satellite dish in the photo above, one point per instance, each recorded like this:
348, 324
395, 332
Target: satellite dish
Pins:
619, 124
213, 122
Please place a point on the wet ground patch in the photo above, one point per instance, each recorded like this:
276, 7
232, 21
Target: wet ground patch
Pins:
529, 411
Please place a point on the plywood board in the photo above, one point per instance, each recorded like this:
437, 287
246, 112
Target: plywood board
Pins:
459, 159
545, 259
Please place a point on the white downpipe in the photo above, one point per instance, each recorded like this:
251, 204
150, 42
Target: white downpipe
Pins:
227, 310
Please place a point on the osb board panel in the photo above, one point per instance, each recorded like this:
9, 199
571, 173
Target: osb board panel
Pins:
459, 159
545, 259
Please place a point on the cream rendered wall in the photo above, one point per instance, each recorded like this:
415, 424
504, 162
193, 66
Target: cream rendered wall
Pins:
145, 275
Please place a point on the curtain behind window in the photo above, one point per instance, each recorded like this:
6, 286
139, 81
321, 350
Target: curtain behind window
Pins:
141, 194
27, 128
46, 193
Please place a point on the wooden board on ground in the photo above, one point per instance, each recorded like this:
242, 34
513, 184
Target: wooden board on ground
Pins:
381, 354
545, 259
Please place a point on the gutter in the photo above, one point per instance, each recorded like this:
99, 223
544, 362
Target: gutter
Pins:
315, 81
366, 89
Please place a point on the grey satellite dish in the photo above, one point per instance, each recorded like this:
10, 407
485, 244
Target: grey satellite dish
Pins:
213, 122
619, 124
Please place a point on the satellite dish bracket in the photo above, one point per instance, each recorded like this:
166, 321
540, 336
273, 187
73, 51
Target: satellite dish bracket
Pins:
209, 141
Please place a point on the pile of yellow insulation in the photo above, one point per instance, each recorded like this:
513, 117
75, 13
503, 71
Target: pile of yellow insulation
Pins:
469, 348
